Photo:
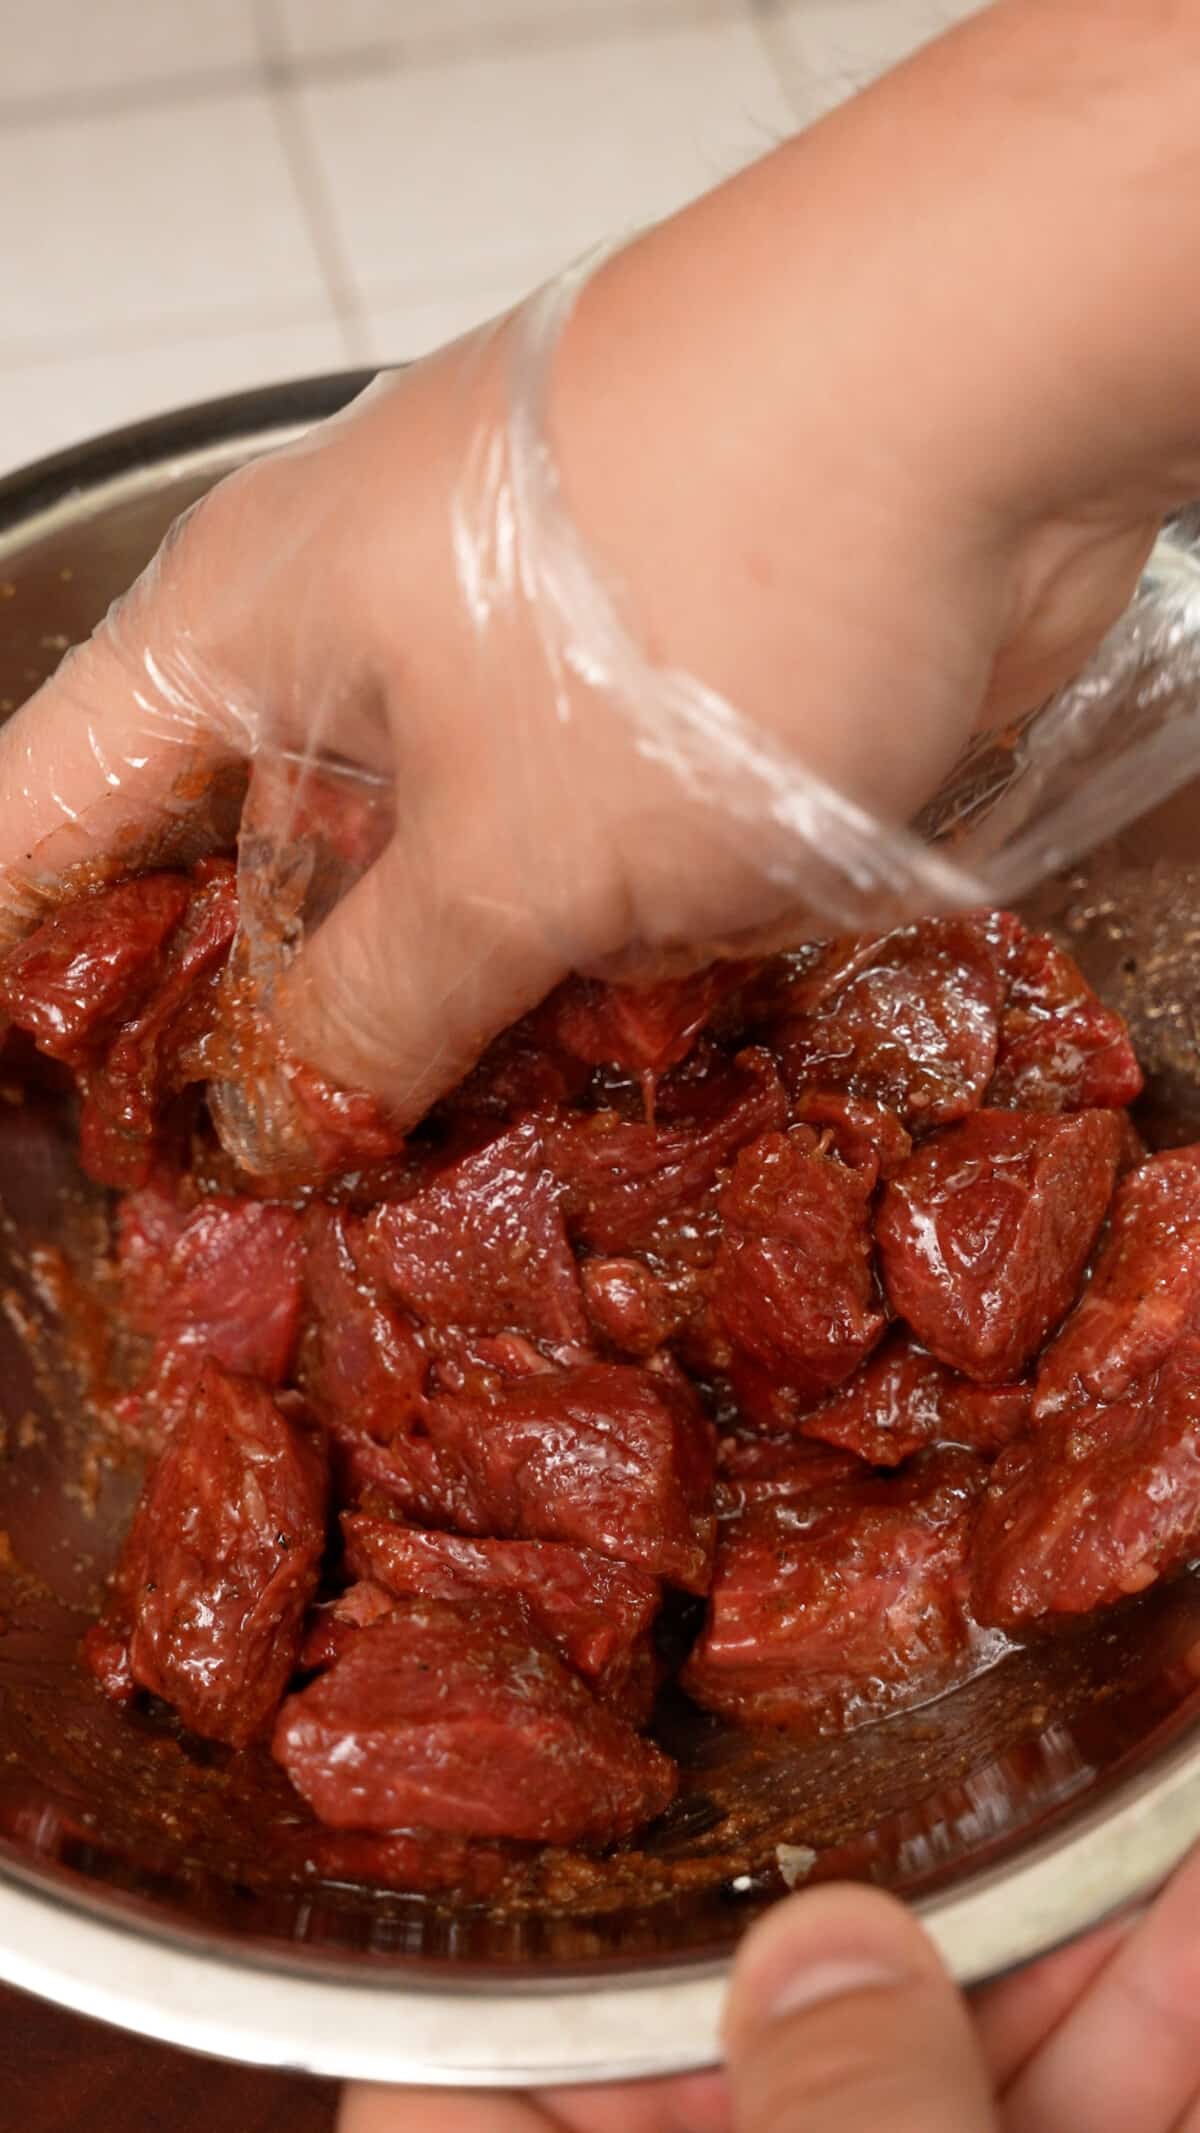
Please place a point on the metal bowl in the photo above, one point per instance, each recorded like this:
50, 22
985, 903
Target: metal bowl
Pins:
139, 1879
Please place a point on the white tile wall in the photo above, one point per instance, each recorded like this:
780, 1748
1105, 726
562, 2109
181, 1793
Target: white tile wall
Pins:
203, 194
61, 400
55, 50
847, 43
498, 170
321, 29
138, 222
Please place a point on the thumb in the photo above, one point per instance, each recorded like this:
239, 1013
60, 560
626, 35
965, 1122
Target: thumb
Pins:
841, 2019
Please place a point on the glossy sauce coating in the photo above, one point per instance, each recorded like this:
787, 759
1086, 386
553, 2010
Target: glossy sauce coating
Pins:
786, 1310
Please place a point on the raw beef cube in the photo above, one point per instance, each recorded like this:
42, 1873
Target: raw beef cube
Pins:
365, 1368
596, 1612
764, 1470
230, 1287
363, 1363
222, 1560
632, 1307
985, 1233
1061, 1049
624, 1178
834, 1609
1144, 1294
903, 1400
484, 1245
90, 963
639, 1028
793, 1284
335, 1623
460, 1716
606, 1456
865, 1135
161, 1049
1095, 1505
518, 1073
910, 1021
148, 1226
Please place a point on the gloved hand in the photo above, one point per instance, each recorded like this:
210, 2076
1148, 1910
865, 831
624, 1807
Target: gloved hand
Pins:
841, 2020
864, 444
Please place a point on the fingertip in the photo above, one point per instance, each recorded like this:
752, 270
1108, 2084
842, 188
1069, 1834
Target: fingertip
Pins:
821, 1944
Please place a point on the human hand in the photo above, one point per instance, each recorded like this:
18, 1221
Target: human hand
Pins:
897, 488
842, 2020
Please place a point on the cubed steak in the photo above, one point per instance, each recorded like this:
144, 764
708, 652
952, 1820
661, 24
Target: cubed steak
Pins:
605, 1456
793, 1283
1060, 1049
222, 1282
838, 1607
1144, 1294
641, 1029
484, 1246
596, 1612
163, 1047
221, 1562
1097, 1504
460, 1716
867, 1136
763, 1470
623, 1179
903, 1400
985, 1233
72, 979
910, 1021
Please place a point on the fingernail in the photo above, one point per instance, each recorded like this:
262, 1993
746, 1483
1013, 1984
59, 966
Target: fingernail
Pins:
820, 1946
828, 1979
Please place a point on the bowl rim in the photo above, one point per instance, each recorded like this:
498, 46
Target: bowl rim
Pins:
179, 1986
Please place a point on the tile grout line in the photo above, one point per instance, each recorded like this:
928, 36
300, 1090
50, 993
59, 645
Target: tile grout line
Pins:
432, 49
308, 182
765, 22
167, 331
787, 64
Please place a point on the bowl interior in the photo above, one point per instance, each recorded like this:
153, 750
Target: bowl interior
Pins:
130, 1817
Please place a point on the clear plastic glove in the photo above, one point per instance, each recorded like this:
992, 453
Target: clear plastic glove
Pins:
823, 449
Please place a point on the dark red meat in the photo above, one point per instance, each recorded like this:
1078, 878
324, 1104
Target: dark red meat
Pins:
363, 1365
519, 1072
631, 1306
508, 1334
597, 1613
625, 1179
605, 1456
334, 1624
483, 1246
985, 1233
829, 1610
793, 1284
1060, 1048
903, 1400
222, 1560
162, 1047
763, 1470
910, 1021
222, 1284
643, 1029
91, 963
865, 1135
460, 1716
1095, 1505
1144, 1294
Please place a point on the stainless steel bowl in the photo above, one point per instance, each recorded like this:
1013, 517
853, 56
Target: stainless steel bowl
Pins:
1015, 1813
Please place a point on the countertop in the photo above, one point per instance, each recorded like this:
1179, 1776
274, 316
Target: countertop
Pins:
62, 2074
